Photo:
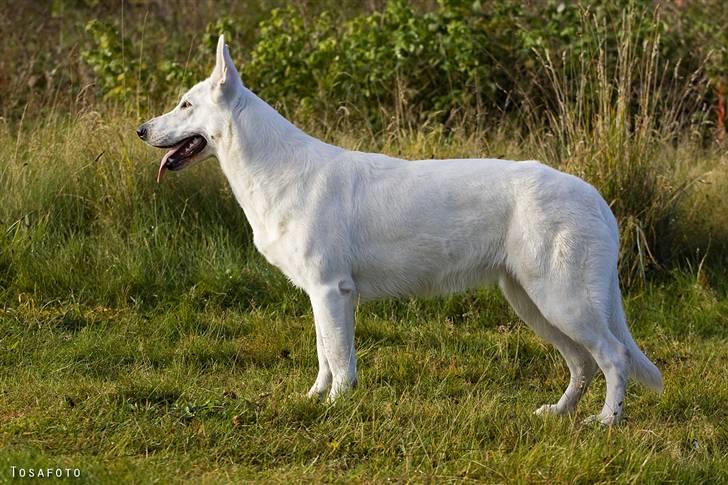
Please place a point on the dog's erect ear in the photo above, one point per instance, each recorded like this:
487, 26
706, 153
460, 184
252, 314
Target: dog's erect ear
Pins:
224, 74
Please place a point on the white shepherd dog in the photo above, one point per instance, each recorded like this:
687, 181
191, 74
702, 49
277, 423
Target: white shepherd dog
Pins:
348, 226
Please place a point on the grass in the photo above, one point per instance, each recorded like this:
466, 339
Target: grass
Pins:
215, 394
142, 339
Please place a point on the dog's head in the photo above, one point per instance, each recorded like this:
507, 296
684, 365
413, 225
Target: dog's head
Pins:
192, 130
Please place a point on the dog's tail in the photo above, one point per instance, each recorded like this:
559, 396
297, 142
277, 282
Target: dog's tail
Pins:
640, 366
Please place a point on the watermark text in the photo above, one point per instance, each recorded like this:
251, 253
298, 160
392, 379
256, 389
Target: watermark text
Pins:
23, 472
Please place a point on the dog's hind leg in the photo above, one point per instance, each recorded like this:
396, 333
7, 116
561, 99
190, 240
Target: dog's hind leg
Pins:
581, 364
333, 310
578, 305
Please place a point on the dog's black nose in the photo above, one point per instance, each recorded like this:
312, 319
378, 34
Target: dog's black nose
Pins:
142, 132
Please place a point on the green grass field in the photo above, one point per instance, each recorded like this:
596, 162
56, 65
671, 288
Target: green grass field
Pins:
215, 394
142, 339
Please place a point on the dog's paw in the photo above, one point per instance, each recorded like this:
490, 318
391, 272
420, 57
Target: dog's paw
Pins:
320, 386
552, 409
339, 389
609, 420
316, 392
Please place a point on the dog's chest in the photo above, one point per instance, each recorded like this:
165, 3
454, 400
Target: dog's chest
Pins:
282, 248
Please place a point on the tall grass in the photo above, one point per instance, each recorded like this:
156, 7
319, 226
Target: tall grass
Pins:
615, 122
77, 190
83, 219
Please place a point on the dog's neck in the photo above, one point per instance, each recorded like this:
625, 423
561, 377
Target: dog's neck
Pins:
256, 134
266, 159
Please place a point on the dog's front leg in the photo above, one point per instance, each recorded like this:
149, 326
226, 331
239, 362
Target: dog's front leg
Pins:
323, 380
333, 310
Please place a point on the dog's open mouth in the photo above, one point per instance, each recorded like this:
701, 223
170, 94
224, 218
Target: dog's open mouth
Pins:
180, 154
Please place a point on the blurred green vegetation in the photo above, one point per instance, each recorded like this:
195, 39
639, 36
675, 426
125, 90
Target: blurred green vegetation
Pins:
412, 61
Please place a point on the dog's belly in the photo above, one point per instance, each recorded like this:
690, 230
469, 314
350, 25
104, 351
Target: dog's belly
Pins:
424, 275
443, 283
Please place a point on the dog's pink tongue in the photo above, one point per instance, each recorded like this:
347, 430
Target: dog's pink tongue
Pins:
166, 156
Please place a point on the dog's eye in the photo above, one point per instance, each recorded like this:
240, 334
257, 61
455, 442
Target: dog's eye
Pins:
185, 104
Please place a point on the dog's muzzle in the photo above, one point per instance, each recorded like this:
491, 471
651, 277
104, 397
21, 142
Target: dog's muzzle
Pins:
141, 131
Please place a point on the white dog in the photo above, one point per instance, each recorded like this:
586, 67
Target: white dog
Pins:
346, 225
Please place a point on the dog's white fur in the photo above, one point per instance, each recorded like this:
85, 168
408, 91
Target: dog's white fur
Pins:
346, 225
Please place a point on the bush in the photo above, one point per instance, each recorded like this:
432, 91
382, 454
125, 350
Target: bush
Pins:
403, 64
430, 65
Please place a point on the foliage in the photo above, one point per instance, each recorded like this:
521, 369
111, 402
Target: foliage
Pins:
601, 86
399, 61
612, 112
117, 76
121, 75
406, 64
